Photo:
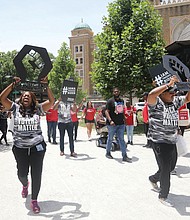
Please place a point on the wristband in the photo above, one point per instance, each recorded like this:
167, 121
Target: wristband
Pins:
167, 87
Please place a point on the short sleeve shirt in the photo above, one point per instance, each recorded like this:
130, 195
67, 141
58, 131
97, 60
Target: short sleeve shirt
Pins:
64, 113
116, 110
163, 120
27, 130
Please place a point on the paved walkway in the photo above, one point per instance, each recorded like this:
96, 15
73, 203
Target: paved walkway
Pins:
93, 187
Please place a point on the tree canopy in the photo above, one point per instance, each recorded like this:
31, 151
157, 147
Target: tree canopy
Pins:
131, 41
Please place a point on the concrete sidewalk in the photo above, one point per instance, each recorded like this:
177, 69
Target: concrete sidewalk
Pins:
93, 187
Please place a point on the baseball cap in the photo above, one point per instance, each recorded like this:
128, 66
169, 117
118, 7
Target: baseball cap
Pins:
145, 94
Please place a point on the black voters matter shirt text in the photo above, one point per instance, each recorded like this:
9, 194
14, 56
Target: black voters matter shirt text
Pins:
27, 130
163, 120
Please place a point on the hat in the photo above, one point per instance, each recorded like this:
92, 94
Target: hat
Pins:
145, 94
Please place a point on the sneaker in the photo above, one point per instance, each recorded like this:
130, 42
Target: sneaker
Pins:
128, 142
131, 143
127, 159
109, 156
35, 207
166, 202
54, 142
49, 140
154, 186
73, 154
62, 153
24, 192
147, 146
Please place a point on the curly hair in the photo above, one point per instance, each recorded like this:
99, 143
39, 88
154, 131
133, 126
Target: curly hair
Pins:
33, 107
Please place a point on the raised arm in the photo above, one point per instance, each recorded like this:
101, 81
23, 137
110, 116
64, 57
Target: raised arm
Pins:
4, 94
48, 103
153, 94
81, 104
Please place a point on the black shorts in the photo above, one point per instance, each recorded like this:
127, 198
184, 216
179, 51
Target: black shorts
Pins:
89, 121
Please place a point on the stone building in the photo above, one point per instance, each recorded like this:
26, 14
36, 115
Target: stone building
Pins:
176, 19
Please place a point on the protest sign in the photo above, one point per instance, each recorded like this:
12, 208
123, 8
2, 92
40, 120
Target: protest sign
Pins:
69, 91
38, 59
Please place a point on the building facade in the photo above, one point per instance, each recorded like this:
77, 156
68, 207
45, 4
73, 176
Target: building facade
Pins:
82, 47
176, 19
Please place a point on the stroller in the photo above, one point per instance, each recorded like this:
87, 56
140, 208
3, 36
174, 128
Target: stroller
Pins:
102, 131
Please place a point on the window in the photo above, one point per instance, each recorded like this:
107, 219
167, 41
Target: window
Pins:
80, 48
76, 49
81, 73
77, 61
81, 60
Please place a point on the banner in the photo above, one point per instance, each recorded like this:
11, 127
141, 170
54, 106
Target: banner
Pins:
69, 91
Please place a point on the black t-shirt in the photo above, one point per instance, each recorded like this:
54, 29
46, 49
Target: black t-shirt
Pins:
116, 110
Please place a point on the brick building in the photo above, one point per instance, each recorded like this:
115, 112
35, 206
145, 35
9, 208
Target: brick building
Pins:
82, 45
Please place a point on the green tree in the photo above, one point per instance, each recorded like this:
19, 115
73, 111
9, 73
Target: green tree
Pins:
7, 68
131, 42
63, 68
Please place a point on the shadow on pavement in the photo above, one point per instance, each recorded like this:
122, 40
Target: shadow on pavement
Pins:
58, 210
5, 148
182, 204
81, 157
182, 169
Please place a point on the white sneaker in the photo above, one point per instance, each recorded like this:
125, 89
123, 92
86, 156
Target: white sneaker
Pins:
155, 187
166, 202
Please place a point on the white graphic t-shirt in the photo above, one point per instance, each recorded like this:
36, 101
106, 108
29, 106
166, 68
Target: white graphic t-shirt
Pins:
64, 113
163, 120
27, 130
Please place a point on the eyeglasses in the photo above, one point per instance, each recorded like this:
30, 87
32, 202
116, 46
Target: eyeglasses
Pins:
172, 92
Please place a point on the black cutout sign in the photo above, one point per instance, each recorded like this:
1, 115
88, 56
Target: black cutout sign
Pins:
36, 58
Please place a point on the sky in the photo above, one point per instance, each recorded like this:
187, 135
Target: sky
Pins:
46, 23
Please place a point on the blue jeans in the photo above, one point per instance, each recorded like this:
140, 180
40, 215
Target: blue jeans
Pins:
130, 129
119, 131
52, 125
69, 127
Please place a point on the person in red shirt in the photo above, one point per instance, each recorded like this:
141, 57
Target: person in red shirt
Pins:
52, 118
89, 113
129, 112
145, 117
74, 110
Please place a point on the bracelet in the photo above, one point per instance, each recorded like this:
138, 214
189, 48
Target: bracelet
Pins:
110, 121
167, 87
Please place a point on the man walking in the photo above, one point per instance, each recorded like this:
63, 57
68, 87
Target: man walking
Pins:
116, 124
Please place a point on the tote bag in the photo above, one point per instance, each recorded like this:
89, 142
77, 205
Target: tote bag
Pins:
181, 146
